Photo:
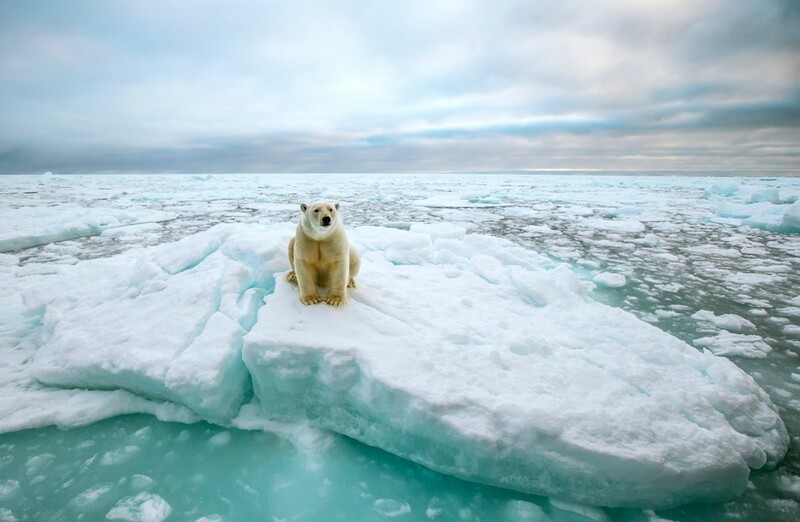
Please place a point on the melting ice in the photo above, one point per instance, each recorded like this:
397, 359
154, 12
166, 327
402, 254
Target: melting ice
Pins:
481, 343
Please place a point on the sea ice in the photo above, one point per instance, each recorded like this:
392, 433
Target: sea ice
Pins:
144, 507
465, 353
517, 380
726, 343
603, 440
610, 280
730, 322
455, 200
30, 226
165, 325
620, 226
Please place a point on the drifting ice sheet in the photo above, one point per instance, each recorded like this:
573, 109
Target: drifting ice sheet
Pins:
488, 367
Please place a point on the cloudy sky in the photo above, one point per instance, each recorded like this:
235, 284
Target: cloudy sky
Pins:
417, 86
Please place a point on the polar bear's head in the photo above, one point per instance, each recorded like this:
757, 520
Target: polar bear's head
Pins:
319, 219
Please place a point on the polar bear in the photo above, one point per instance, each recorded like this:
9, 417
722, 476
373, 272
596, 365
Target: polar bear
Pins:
321, 257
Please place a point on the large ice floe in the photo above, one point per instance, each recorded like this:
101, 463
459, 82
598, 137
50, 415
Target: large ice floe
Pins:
465, 353
30, 226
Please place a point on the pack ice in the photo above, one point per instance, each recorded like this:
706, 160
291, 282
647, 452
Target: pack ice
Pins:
465, 353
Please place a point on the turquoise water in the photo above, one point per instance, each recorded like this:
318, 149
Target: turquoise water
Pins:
202, 470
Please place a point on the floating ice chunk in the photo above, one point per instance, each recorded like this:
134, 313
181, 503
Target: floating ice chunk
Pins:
31, 226
723, 188
518, 380
169, 325
400, 225
540, 229
439, 230
144, 507
620, 226
650, 240
391, 508
576, 210
91, 495
775, 217
791, 218
610, 280
773, 195
750, 279
730, 322
726, 343
126, 230
789, 484
792, 330
462, 201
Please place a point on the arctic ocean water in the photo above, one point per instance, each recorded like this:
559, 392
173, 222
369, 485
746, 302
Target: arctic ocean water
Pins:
712, 261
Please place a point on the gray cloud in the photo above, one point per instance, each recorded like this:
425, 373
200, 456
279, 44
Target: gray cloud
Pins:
385, 86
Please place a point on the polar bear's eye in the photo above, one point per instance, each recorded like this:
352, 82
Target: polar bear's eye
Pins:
316, 210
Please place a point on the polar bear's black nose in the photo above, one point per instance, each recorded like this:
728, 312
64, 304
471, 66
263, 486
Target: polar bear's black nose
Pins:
326, 220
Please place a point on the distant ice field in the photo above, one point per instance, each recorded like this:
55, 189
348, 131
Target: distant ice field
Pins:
604, 341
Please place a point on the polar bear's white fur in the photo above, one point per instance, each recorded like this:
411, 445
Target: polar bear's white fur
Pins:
323, 262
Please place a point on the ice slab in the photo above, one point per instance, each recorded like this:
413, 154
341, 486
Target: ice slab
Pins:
32, 226
166, 324
764, 214
477, 358
457, 200
610, 280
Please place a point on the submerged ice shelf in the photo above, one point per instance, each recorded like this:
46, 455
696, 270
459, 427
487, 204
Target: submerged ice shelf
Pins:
465, 353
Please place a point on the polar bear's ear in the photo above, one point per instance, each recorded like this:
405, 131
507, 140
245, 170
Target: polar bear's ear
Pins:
303, 207
336, 205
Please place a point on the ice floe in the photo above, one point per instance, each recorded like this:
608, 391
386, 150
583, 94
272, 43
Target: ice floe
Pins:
498, 369
30, 226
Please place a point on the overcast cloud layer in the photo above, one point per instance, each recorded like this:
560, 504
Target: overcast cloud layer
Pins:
378, 86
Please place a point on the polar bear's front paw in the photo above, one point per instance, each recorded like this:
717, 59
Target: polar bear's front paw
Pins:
336, 300
352, 283
311, 299
291, 276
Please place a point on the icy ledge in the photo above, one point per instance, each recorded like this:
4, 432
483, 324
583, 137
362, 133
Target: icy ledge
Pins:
467, 354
